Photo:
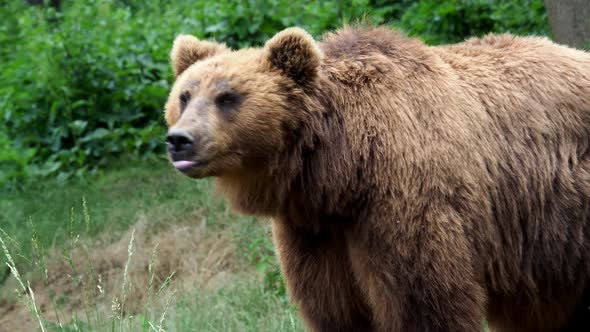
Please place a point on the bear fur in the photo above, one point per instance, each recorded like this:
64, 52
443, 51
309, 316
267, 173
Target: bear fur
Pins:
412, 188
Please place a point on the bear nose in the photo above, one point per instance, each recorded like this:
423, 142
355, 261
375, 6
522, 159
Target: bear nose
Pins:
180, 143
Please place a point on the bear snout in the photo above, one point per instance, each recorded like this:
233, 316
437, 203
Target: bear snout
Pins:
180, 144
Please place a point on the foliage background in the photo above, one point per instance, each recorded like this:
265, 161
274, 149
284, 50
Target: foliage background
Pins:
83, 84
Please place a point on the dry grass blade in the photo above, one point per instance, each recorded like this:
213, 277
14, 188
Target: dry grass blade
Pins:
125, 278
29, 296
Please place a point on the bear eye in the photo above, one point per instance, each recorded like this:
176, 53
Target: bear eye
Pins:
184, 98
227, 100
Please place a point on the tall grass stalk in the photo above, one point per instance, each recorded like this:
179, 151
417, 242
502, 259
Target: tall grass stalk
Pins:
40, 253
160, 328
152, 274
93, 282
29, 295
69, 255
32, 296
10, 239
125, 277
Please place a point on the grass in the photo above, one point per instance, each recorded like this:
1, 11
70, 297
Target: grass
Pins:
136, 248
116, 198
244, 306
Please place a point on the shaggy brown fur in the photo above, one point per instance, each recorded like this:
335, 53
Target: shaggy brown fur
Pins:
413, 188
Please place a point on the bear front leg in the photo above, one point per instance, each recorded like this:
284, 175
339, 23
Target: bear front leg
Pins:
418, 275
319, 279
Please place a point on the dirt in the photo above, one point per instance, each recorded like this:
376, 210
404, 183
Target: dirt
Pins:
194, 255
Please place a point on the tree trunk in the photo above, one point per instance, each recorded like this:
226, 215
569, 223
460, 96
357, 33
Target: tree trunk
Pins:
570, 21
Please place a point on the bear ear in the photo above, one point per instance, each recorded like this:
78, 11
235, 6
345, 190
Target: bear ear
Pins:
188, 49
295, 53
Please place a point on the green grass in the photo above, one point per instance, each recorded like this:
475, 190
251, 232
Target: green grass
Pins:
115, 199
51, 214
245, 306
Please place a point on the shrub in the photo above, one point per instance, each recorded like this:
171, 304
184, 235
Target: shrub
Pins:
84, 84
439, 22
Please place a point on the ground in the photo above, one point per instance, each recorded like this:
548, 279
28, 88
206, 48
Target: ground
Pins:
210, 253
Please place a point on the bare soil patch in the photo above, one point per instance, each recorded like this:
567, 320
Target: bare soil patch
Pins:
195, 257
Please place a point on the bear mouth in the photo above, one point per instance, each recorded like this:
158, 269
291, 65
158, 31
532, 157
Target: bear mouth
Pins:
186, 166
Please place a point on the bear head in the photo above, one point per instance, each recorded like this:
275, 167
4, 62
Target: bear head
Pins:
231, 112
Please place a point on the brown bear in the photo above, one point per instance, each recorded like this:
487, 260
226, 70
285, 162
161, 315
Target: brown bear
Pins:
412, 188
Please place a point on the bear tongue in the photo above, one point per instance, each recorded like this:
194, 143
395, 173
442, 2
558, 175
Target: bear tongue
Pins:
183, 164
